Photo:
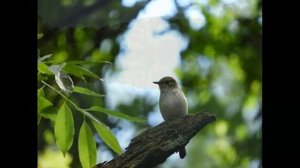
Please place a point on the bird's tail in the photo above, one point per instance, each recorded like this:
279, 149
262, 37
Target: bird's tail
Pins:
182, 152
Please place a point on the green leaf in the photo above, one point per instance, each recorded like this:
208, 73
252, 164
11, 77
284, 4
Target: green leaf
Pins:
43, 103
44, 57
89, 73
108, 137
64, 128
74, 70
89, 62
86, 147
89, 115
41, 77
43, 68
40, 92
79, 71
45, 107
86, 91
49, 112
116, 114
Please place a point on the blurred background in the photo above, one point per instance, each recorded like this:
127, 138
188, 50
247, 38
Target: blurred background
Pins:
212, 47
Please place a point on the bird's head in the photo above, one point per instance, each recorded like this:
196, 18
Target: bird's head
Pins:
167, 83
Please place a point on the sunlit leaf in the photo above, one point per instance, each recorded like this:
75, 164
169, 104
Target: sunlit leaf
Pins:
45, 107
40, 92
241, 132
40, 95
79, 71
108, 137
64, 128
60, 56
86, 147
44, 58
86, 91
43, 68
221, 128
87, 114
50, 158
89, 62
116, 114
43, 103
74, 70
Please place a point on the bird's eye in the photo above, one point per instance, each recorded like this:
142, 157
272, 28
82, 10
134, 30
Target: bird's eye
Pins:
167, 82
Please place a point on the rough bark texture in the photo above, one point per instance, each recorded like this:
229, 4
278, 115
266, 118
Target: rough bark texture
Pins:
153, 146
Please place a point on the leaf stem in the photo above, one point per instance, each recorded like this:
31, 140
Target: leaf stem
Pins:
60, 93
90, 116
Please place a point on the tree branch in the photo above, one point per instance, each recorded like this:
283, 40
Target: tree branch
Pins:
153, 146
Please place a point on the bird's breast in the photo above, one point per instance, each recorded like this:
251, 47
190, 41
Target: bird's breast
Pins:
172, 104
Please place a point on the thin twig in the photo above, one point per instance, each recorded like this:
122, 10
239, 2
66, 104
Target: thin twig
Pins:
89, 115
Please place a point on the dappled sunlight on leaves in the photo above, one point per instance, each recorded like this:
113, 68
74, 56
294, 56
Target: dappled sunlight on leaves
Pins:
51, 158
60, 57
221, 128
223, 153
241, 132
213, 47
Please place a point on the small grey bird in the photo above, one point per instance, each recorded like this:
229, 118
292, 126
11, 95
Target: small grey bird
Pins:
172, 102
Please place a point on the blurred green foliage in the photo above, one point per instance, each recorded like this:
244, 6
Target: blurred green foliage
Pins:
69, 63
220, 72
228, 85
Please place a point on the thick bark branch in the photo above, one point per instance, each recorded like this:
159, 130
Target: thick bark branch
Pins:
153, 146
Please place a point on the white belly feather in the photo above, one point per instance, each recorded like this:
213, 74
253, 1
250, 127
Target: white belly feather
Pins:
172, 103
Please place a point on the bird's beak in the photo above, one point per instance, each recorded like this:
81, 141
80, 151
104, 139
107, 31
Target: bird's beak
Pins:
156, 82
